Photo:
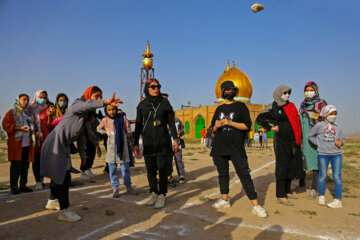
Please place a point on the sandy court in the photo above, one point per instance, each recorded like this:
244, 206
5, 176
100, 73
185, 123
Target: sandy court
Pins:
188, 213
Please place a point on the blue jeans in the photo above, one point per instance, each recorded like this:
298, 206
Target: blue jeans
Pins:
125, 172
336, 162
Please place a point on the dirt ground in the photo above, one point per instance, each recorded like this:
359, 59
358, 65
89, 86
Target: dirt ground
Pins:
188, 213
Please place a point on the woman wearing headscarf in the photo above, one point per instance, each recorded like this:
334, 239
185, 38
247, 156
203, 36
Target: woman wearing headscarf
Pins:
19, 126
55, 155
283, 118
154, 115
309, 115
43, 116
61, 105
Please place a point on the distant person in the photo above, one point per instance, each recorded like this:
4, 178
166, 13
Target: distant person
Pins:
251, 138
260, 139
310, 109
203, 137
283, 118
209, 137
329, 139
116, 126
18, 123
265, 140
154, 115
55, 154
230, 123
257, 138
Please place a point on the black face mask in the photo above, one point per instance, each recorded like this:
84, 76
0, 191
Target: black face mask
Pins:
229, 95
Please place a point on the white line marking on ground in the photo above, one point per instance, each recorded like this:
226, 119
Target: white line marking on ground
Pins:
237, 181
216, 221
101, 229
183, 229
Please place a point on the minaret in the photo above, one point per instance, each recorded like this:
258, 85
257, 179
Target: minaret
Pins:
147, 71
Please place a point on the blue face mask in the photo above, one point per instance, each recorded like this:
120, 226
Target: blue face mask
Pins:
62, 104
41, 101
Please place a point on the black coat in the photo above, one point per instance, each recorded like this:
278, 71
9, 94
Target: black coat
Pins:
287, 153
154, 127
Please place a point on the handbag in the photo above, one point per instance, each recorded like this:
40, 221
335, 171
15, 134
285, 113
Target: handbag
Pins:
141, 140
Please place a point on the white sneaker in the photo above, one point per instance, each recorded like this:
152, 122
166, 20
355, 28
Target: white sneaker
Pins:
259, 211
221, 203
321, 200
160, 201
152, 199
68, 216
83, 176
335, 204
89, 173
39, 186
53, 204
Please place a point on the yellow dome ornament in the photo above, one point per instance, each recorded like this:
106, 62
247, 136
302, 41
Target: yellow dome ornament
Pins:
257, 7
240, 80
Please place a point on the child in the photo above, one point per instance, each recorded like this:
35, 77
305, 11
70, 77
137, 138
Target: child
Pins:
18, 123
117, 128
328, 137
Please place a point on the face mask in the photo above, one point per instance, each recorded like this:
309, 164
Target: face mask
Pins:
62, 104
310, 94
331, 118
41, 101
229, 95
285, 97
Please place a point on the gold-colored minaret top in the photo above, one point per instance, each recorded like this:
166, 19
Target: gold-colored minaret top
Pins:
147, 57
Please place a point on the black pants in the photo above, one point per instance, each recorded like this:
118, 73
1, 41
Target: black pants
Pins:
19, 169
242, 169
90, 156
170, 165
153, 165
61, 192
315, 180
283, 187
36, 167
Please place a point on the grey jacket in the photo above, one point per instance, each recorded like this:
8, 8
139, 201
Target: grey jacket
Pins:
324, 136
55, 155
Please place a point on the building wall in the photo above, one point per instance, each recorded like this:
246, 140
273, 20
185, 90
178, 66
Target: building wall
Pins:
207, 112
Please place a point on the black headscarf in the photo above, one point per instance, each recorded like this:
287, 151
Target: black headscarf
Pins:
153, 101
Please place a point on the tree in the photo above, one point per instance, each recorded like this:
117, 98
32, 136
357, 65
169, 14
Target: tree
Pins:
3, 135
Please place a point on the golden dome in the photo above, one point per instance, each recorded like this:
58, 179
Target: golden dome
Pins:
240, 80
147, 57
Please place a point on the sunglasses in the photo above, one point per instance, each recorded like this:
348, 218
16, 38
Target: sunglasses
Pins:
155, 87
287, 92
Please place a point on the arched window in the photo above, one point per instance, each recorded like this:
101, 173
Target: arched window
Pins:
199, 125
187, 127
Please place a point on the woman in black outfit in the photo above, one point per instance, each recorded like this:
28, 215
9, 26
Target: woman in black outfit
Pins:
283, 118
154, 115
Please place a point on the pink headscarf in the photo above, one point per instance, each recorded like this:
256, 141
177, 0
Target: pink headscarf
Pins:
325, 111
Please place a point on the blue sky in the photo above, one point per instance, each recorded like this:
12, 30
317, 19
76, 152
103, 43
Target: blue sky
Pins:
66, 46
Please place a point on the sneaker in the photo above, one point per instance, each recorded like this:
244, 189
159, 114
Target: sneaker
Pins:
83, 176
53, 204
116, 193
221, 203
160, 201
152, 199
321, 200
312, 194
15, 192
25, 189
132, 191
182, 180
335, 204
89, 173
74, 170
39, 186
259, 211
68, 216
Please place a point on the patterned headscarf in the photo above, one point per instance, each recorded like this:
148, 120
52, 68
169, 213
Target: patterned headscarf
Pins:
35, 109
23, 117
327, 110
310, 108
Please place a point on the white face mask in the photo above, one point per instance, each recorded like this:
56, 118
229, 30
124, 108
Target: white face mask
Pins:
331, 118
285, 97
310, 94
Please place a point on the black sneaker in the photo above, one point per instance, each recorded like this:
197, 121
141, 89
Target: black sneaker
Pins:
182, 180
74, 170
25, 189
15, 192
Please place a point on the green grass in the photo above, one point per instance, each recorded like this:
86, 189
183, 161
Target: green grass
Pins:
3, 158
192, 140
351, 153
188, 154
311, 213
204, 199
194, 159
347, 166
355, 214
